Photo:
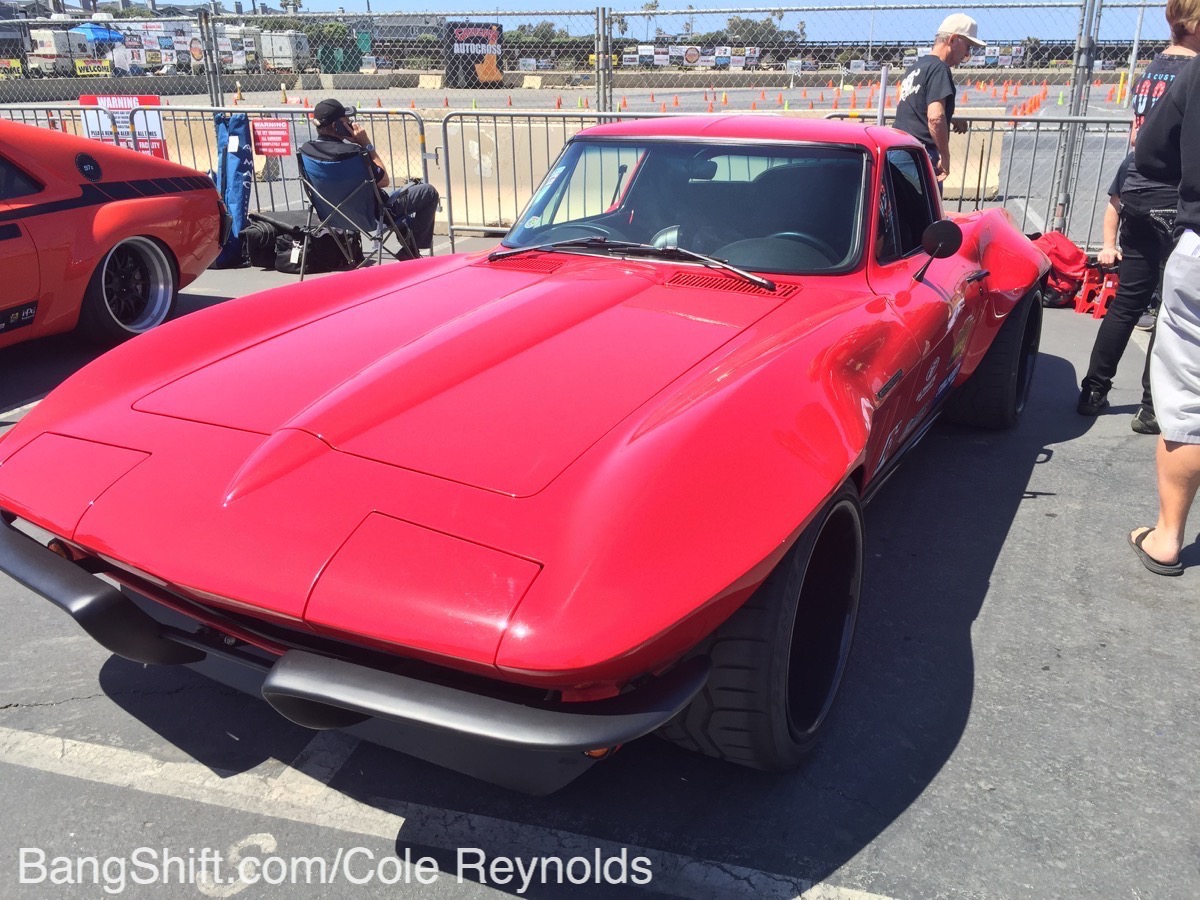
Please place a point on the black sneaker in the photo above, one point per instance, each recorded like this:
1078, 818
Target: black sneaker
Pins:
1144, 422
1091, 403
1146, 322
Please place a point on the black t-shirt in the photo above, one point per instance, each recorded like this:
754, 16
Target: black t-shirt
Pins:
928, 80
1140, 194
1168, 146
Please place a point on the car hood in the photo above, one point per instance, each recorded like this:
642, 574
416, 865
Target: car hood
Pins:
492, 374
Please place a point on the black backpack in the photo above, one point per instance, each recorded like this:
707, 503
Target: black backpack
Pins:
258, 242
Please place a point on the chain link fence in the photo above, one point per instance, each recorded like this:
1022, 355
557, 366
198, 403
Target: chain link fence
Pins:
597, 58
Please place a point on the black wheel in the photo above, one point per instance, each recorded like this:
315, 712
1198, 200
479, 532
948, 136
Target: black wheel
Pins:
132, 290
778, 661
995, 394
811, 240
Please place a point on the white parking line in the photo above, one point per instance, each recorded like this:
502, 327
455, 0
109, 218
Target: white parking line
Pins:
12, 415
299, 794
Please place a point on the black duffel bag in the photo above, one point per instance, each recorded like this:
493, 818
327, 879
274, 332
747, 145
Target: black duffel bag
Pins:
323, 255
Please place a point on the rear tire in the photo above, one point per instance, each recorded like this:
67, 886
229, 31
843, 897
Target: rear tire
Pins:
133, 290
778, 660
995, 394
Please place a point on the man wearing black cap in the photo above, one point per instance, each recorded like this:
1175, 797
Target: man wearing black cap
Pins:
339, 136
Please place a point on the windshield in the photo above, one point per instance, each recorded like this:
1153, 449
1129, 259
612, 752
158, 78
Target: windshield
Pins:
767, 208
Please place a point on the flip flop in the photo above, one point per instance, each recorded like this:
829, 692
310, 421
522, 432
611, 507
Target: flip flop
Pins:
1158, 568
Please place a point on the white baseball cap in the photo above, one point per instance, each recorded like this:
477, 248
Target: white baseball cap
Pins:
962, 24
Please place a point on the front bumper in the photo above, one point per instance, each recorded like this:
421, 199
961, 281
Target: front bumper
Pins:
533, 747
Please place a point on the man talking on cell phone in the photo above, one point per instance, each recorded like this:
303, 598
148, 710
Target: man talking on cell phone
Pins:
338, 134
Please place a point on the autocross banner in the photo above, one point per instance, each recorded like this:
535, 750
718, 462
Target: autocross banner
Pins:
473, 54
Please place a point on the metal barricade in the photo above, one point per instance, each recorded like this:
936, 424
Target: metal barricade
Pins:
189, 136
82, 121
1017, 163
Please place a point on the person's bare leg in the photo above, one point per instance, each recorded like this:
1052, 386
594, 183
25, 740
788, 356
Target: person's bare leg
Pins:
1178, 468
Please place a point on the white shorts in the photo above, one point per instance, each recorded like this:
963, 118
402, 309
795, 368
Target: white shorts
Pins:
1175, 362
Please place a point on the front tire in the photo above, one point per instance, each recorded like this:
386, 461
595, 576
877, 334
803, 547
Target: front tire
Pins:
133, 290
778, 660
995, 394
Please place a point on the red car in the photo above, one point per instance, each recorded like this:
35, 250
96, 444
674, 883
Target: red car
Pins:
509, 511
96, 236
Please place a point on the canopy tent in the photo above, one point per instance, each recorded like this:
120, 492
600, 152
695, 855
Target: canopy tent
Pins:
95, 32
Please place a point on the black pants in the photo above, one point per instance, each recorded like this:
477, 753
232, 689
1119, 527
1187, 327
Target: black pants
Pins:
1145, 246
416, 204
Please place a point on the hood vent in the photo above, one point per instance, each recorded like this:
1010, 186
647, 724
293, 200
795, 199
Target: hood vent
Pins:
729, 283
526, 264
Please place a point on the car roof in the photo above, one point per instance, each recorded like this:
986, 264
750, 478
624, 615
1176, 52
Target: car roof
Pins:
751, 127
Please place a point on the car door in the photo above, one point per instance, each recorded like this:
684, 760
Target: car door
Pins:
18, 255
935, 309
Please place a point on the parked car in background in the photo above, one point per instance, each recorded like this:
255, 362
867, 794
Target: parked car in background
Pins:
509, 511
95, 236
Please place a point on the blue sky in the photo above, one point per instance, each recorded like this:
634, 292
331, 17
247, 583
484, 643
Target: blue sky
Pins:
908, 25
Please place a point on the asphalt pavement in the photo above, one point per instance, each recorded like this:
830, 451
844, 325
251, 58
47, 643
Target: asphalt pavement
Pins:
1019, 718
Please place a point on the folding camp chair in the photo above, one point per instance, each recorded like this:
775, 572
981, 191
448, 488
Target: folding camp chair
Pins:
344, 200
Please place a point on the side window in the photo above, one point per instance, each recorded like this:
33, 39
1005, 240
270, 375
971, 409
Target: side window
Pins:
14, 183
905, 209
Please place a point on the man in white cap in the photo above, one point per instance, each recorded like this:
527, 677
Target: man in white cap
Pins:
925, 108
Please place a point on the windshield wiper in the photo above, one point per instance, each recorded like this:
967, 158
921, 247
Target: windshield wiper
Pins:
707, 260
588, 243
603, 243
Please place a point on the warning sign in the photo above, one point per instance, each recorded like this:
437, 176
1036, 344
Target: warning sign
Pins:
148, 123
272, 137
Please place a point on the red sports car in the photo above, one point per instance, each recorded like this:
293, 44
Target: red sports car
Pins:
509, 511
96, 236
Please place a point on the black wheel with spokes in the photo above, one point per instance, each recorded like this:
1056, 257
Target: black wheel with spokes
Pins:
132, 290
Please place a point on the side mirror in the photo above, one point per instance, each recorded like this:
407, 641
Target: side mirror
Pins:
941, 239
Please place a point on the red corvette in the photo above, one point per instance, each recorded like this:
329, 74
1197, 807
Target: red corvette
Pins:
509, 511
96, 236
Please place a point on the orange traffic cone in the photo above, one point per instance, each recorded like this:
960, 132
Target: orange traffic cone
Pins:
510, 99
779, 99
652, 96
804, 93
624, 103
675, 102
558, 102
710, 106
835, 102
587, 104
724, 98
810, 104
664, 106
754, 104
378, 103
822, 97
412, 104
762, 95
306, 103
966, 98
446, 102
830, 85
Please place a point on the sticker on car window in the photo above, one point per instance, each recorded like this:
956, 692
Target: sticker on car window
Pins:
533, 221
